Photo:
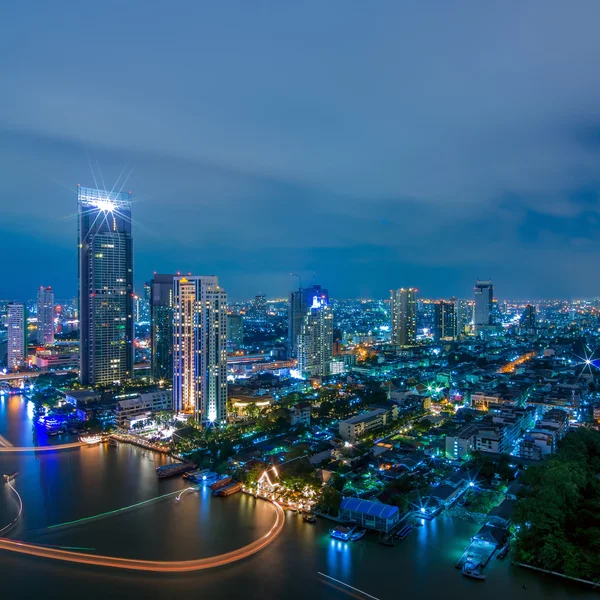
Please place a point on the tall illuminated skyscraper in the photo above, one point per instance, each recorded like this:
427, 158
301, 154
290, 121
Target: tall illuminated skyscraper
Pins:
315, 341
484, 299
161, 317
200, 348
16, 351
404, 316
445, 321
45, 316
300, 302
105, 286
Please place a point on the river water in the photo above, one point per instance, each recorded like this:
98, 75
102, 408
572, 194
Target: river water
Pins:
60, 487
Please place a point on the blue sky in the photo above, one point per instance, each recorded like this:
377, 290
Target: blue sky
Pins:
364, 147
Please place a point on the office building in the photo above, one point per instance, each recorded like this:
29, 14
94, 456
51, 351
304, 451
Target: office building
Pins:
45, 316
464, 316
315, 341
105, 286
404, 316
200, 348
16, 349
484, 300
235, 331
529, 318
300, 302
445, 321
161, 317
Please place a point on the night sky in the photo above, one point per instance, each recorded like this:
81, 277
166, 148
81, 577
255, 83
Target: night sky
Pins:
363, 145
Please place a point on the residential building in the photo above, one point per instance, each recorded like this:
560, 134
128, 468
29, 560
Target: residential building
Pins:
105, 286
16, 349
445, 321
461, 444
200, 348
300, 302
235, 331
45, 315
354, 428
404, 316
161, 317
315, 340
300, 414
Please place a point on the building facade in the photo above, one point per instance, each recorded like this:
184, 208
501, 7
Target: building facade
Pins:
140, 406
484, 301
105, 286
445, 321
161, 318
315, 340
45, 315
235, 331
300, 302
404, 316
200, 348
16, 350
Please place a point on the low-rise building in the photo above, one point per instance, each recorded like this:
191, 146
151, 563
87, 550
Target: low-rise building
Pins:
371, 515
300, 414
359, 425
461, 444
139, 407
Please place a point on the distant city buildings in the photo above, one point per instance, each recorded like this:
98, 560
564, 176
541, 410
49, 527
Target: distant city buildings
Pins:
200, 348
445, 321
161, 319
315, 340
105, 286
235, 331
529, 318
300, 302
16, 354
404, 316
45, 315
484, 299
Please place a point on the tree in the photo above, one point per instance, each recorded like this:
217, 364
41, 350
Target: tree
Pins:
331, 500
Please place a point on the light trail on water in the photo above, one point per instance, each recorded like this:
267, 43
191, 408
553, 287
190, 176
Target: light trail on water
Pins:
41, 448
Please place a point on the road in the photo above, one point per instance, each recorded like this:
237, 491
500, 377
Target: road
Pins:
149, 565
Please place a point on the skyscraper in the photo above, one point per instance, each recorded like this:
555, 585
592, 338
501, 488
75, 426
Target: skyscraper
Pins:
200, 348
464, 315
235, 330
16, 353
105, 286
161, 317
45, 315
484, 299
445, 321
529, 318
404, 316
300, 302
315, 341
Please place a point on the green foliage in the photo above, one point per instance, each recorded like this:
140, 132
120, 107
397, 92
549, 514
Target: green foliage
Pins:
331, 500
558, 522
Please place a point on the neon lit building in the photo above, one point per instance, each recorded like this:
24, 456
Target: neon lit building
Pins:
200, 348
105, 286
404, 316
315, 340
17, 335
45, 315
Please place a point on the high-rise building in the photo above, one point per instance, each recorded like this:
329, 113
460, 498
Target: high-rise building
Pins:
235, 330
529, 318
404, 316
484, 301
300, 302
200, 348
464, 315
105, 286
315, 341
161, 318
445, 321
45, 315
16, 353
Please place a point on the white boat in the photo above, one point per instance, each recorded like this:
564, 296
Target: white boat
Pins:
90, 439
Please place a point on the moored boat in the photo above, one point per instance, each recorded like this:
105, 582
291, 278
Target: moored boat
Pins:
221, 483
339, 532
232, 488
309, 518
172, 469
473, 570
404, 531
358, 534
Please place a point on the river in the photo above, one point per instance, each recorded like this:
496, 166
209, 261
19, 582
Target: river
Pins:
60, 487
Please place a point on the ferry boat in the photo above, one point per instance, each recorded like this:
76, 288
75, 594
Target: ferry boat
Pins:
309, 518
90, 439
221, 483
228, 489
358, 534
339, 532
404, 531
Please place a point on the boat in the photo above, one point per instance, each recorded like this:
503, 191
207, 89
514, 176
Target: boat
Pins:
10, 476
173, 469
112, 442
341, 533
221, 483
504, 550
404, 531
309, 518
473, 570
90, 439
233, 488
358, 534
